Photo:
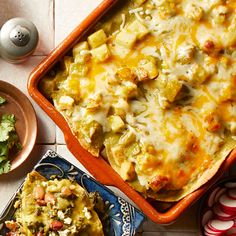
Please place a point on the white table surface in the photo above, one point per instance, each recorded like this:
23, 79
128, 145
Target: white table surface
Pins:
54, 20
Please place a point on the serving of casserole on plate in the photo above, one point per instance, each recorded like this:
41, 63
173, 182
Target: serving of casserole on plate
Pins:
57, 198
151, 89
54, 206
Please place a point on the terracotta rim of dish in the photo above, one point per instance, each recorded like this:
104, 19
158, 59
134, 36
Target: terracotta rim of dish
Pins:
98, 167
26, 122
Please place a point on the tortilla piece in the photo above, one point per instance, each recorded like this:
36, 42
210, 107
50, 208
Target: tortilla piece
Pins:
199, 179
96, 141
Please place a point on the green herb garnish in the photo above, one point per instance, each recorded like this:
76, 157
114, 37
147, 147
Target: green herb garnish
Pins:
2, 100
9, 140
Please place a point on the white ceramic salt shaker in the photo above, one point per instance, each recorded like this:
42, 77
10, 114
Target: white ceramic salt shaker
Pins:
18, 40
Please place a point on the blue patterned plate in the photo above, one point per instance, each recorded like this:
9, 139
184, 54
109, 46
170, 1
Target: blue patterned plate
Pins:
124, 219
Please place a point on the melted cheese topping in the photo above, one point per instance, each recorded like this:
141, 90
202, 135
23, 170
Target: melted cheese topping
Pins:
160, 89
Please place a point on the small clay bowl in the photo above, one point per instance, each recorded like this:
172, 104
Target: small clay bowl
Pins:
26, 123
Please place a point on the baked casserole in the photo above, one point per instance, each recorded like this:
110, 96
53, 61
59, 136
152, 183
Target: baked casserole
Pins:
153, 90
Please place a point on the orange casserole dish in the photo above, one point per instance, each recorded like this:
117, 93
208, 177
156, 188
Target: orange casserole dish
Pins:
97, 165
